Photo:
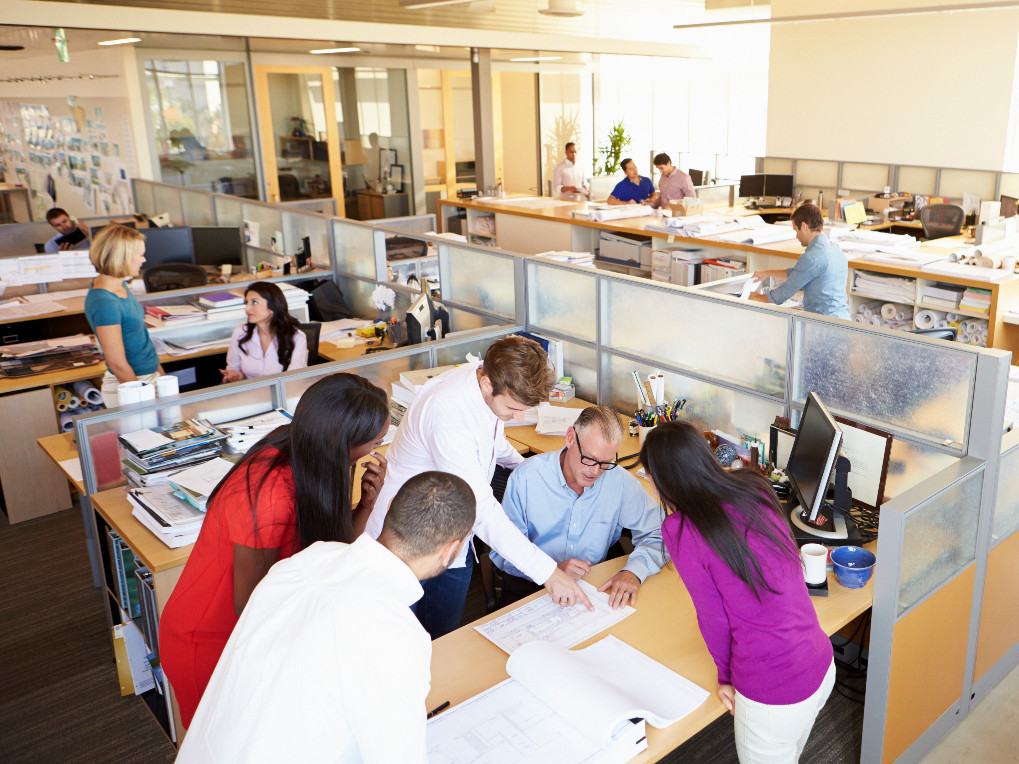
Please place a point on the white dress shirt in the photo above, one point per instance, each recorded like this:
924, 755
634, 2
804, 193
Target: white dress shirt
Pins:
567, 174
449, 427
327, 663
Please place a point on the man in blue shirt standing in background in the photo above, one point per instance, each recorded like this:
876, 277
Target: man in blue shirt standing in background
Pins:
821, 272
573, 505
634, 188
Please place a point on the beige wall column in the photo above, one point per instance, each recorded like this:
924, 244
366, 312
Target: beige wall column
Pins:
484, 132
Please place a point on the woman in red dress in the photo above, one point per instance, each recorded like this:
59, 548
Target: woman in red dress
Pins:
286, 493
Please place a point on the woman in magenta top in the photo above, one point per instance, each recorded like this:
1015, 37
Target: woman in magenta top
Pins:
731, 544
291, 489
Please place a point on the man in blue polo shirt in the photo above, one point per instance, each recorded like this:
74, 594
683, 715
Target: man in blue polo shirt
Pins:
634, 188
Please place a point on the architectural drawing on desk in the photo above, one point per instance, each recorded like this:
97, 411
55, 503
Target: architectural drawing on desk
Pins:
544, 621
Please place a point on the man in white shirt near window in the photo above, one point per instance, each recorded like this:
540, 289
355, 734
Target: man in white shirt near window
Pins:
568, 178
455, 424
327, 662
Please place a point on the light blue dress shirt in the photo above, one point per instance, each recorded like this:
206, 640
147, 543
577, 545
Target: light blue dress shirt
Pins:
564, 525
821, 272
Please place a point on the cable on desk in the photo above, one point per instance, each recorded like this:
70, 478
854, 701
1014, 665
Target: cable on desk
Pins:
866, 522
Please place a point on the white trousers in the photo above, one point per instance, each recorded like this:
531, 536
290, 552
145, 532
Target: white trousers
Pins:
110, 383
767, 734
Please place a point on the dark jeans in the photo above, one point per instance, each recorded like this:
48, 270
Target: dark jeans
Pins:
516, 588
442, 606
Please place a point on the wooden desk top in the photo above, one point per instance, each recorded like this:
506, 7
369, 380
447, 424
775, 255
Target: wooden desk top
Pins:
113, 505
327, 349
664, 628
60, 448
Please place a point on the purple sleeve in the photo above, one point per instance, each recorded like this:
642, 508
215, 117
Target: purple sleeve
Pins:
693, 560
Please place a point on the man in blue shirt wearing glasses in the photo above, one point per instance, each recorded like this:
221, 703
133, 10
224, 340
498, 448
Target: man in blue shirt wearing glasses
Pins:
573, 504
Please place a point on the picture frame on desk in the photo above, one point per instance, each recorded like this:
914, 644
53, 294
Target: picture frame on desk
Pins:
396, 177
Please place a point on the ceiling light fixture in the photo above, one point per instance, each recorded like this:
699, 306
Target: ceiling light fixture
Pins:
124, 41
848, 15
419, 4
562, 8
537, 58
320, 51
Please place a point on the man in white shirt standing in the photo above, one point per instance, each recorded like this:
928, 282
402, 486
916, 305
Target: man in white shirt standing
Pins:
568, 179
327, 662
455, 424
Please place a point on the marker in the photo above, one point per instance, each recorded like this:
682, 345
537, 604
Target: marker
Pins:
438, 709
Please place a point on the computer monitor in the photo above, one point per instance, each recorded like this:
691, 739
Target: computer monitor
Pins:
751, 186
217, 245
778, 185
420, 320
167, 245
810, 467
1009, 206
697, 177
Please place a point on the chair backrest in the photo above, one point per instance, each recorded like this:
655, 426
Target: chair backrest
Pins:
941, 220
290, 188
312, 331
160, 278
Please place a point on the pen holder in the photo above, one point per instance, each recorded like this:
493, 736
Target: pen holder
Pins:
642, 433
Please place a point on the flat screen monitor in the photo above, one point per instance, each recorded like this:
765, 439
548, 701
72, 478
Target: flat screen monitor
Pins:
778, 185
751, 186
420, 320
697, 177
812, 460
1009, 206
217, 245
167, 245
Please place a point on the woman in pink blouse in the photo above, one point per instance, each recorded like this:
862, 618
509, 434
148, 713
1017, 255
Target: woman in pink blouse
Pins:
270, 342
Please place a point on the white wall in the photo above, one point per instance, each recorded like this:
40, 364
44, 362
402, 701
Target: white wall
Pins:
931, 90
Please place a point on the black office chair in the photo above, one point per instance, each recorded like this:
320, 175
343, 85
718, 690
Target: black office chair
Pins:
40, 249
949, 333
290, 187
160, 278
940, 220
403, 247
312, 331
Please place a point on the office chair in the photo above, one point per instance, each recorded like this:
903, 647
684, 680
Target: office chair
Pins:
941, 220
312, 331
949, 333
403, 247
290, 188
160, 278
490, 575
40, 249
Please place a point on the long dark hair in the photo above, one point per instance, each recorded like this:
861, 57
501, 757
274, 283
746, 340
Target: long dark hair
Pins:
335, 415
284, 327
692, 483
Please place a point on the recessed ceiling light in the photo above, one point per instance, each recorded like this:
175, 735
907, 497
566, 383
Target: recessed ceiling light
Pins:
124, 41
320, 51
538, 58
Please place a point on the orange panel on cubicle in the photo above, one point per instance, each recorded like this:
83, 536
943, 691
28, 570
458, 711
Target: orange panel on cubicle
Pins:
999, 616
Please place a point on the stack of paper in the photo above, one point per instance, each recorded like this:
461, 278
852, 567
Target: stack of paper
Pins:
555, 420
196, 484
765, 234
944, 296
27, 358
176, 315
178, 445
976, 300
174, 522
242, 434
891, 288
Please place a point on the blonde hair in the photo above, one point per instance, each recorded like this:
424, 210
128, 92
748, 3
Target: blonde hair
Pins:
113, 249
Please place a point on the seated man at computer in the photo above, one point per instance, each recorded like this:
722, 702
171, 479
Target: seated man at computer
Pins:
634, 188
64, 225
821, 271
573, 505
675, 184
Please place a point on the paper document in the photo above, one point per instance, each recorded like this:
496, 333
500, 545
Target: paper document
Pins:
145, 440
544, 621
64, 294
41, 269
749, 287
25, 310
203, 478
555, 420
72, 467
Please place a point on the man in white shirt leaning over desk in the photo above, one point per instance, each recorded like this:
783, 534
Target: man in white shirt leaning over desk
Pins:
574, 504
327, 662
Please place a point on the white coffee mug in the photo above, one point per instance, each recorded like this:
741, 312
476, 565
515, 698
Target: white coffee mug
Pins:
815, 558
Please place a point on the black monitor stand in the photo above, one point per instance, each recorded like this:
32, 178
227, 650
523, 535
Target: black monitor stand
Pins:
828, 524
832, 524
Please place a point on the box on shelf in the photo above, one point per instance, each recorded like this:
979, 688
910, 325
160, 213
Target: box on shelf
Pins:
622, 250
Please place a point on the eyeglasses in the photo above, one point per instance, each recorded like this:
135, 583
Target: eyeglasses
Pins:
588, 461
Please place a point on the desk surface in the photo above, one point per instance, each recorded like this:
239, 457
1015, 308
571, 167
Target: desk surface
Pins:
664, 628
113, 505
60, 448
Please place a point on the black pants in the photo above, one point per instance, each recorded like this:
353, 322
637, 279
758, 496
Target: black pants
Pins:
516, 588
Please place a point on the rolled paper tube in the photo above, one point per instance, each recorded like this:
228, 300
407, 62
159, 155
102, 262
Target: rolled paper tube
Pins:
952, 317
869, 308
167, 385
61, 406
992, 260
873, 320
859, 318
61, 393
941, 323
904, 315
888, 310
73, 403
66, 422
87, 391
926, 319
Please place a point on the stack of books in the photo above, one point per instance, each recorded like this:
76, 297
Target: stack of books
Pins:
944, 296
175, 315
976, 300
296, 297
28, 358
222, 305
242, 434
152, 455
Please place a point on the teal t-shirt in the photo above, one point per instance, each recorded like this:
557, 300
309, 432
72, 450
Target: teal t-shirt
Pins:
104, 308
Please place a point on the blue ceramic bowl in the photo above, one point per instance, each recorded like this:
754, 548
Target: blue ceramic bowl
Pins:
853, 565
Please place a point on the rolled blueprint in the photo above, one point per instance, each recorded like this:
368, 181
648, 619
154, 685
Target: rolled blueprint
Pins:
888, 310
73, 402
61, 393
928, 319
66, 422
88, 392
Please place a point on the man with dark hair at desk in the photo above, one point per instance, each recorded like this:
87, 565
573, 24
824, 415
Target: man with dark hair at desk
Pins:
634, 188
821, 271
568, 178
674, 185
574, 504
456, 424
327, 662
64, 225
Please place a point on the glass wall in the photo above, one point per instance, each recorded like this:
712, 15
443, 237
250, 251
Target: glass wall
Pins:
201, 128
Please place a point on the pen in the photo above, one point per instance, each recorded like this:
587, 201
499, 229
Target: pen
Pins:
438, 709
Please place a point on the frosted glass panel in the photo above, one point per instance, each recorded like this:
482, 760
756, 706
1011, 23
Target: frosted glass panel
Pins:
939, 540
167, 199
462, 320
228, 210
297, 225
358, 294
581, 363
481, 280
865, 177
813, 173
561, 300
917, 180
1006, 508
383, 373
911, 385
458, 353
197, 208
721, 338
269, 222
355, 249
144, 199
955, 183
707, 407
